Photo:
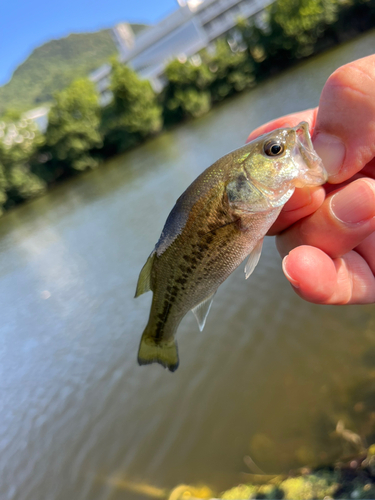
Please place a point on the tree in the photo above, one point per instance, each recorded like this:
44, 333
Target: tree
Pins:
285, 31
19, 144
232, 69
133, 113
302, 22
73, 130
187, 92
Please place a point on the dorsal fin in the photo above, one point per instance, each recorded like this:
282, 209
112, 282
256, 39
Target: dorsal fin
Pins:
201, 310
144, 280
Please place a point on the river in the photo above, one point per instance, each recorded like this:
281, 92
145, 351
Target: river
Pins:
269, 377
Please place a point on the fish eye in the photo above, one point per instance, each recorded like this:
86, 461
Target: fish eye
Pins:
273, 148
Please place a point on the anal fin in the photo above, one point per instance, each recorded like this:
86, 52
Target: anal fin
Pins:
253, 259
201, 310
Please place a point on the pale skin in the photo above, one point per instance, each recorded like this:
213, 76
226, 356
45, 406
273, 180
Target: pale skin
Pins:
326, 234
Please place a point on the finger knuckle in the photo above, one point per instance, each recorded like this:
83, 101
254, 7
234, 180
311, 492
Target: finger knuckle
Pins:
355, 78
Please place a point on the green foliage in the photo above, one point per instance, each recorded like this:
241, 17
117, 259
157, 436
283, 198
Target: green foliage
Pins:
303, 19
3, 187
205, 78
232, 69
19, 143
287, 30
353, 17
240, 492
11, 115
187, 92
133, 113
54, 65
191, 102
302, 22
73, 130
309, 487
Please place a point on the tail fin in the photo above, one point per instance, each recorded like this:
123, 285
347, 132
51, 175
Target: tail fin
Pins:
152, 351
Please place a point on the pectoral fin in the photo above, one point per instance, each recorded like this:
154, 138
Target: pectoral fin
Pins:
144, 280
201, 311
253, 259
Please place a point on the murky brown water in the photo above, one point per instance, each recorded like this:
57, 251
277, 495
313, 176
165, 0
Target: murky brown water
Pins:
269, 377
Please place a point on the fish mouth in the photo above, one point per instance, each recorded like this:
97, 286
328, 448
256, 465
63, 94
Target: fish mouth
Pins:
305, 158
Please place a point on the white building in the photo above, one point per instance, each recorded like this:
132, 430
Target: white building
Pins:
192, 27
39, 115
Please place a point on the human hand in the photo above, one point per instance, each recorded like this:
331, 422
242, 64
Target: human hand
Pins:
326, 234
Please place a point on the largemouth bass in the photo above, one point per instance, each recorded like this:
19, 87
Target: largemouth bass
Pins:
216, 223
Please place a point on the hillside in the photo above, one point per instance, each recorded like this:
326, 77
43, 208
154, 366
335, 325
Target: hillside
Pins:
54, 65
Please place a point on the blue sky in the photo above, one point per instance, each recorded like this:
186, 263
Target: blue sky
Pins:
26, 24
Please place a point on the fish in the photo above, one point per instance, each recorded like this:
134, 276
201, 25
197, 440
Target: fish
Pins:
219, 220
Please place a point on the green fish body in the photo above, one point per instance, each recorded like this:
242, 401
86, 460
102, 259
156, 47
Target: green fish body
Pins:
216, 223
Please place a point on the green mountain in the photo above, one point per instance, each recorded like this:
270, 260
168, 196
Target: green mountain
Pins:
55, 65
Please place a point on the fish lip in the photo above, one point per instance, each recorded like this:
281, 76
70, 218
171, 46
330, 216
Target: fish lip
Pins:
304, 126
314, 170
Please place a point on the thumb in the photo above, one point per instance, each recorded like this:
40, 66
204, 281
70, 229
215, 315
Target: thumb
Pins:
345, 124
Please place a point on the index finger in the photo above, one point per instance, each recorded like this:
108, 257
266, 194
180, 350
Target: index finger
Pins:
291, 120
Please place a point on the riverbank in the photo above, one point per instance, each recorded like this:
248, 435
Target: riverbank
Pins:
343, 480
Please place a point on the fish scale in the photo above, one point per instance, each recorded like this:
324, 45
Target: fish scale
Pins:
216, 223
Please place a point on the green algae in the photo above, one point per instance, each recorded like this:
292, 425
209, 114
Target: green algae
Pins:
354, 479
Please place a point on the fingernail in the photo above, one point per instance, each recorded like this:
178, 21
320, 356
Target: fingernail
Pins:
287, 273
332, 152
355, 203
